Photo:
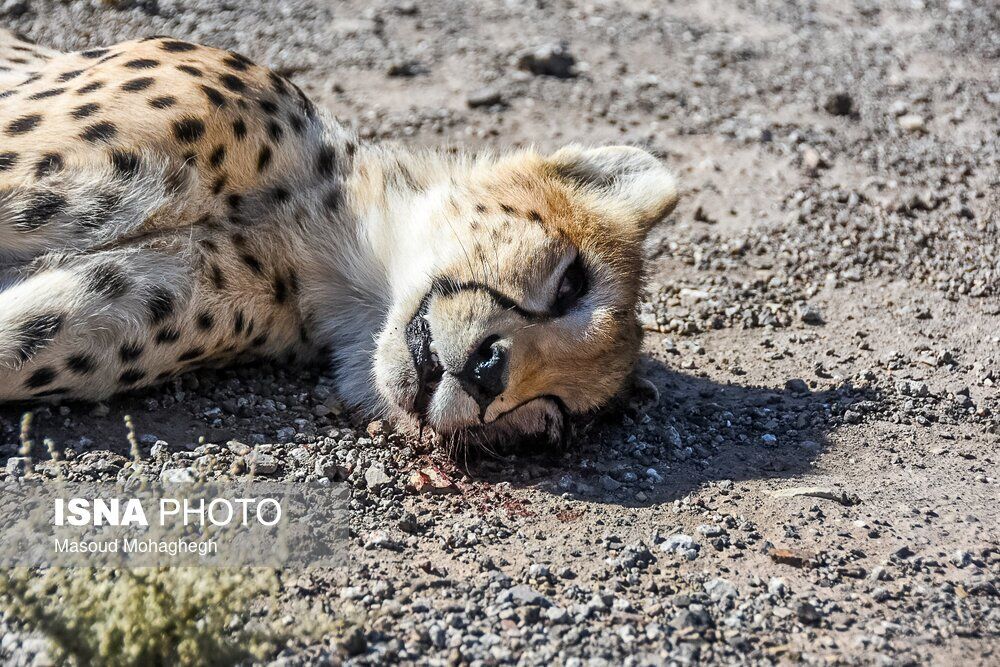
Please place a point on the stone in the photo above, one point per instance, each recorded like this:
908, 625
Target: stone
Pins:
376, 477
484, 97
177, 476
548, 60
912, 123
839, 104
17, 466
263, 464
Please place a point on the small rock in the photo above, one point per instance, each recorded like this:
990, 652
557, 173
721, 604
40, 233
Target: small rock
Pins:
912, 123
286, 434
961, 558
263, 464
810, 314
430, 480
177, 476
484, 97
17, 466
682, 545
548, 60
797, 386
354, 642
808, 614
839, 104
238, 448
376, 477
769, 439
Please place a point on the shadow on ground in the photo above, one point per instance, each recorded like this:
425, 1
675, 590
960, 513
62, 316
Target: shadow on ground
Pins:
691, 431
670, 433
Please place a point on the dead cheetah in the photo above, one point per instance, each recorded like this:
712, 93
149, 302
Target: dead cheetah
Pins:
165, 205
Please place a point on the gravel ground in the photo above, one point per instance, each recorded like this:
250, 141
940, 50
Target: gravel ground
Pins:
806, 466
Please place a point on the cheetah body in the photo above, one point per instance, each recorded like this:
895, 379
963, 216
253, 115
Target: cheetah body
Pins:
165, 205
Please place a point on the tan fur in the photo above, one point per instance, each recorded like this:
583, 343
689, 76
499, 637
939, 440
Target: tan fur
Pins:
165, 205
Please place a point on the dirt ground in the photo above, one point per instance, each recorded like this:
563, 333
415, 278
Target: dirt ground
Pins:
823, 313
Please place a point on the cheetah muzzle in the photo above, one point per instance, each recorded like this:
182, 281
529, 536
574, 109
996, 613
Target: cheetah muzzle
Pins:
166, 205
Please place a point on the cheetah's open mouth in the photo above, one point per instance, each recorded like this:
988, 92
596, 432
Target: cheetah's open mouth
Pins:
425, 359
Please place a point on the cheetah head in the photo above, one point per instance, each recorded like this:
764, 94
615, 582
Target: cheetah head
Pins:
521, 310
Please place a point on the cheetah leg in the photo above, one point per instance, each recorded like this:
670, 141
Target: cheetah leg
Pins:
84, 326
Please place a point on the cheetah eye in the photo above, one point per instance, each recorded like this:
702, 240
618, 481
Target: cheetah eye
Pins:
572, 286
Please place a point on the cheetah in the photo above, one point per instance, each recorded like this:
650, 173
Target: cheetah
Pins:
166, 205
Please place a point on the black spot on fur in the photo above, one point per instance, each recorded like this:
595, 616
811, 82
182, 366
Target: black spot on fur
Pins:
188, 69
40, 210
103, 131
275, 130
24, 124
84, 110
163, 102
334, 198
7, 160
238, 322
509, 210
205, 321
43, 94
189, 130
31, 79
480, 208
35, 333
177, 46
80, 364
239, 129
280, 195
233, 83
325, 160
218, 279
535, 216
110, 280
130, 351
280, 290
126, 163
108, 57
160, 305
142, 63
219, 184
234, 201
49, 163
135, 85
268, 106
214, 96
94, 53
298, 125
131, 376
69, 76
252, 263
41, 377
167, 336
191, 354
217, 157
259, 340
264, 158
91, 87
237, 62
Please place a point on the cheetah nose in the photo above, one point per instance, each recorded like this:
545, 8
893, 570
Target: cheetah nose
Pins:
484, 376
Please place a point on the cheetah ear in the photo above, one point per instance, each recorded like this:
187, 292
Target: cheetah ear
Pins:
626, 180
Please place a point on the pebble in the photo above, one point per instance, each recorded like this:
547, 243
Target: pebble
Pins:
376, 477
839, 104
484, 97
177, 476
263, 464
681, 545
549, 60
912, 123
17, 466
